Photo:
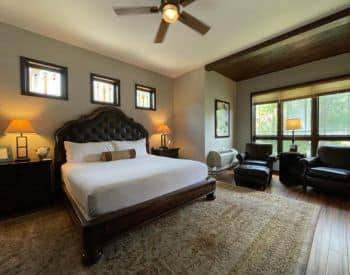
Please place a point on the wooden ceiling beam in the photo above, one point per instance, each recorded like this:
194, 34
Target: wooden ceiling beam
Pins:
323, 38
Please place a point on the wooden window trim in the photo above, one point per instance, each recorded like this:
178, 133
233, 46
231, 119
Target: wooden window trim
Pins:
26, 62
106, 79
152, 91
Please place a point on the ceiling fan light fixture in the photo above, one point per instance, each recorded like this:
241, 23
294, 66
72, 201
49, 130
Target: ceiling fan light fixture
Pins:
170, 13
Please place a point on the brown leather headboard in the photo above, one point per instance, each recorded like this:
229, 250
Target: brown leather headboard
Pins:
103, 124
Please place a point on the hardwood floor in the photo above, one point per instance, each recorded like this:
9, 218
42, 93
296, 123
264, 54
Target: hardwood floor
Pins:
330, 253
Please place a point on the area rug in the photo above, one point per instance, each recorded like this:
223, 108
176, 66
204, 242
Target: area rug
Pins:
241, 232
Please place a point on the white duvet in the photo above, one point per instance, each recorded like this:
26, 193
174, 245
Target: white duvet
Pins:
101, 187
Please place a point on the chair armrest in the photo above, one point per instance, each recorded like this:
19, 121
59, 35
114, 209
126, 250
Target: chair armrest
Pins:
241, 157
308, 163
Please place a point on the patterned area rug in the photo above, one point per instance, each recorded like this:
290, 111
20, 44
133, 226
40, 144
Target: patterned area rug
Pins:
241, 232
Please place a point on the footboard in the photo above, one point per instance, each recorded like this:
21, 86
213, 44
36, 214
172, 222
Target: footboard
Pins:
96, 232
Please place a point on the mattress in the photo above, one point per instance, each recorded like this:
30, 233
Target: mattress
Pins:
102, 187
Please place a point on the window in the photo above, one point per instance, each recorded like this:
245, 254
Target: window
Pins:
334, 118
300, 108
266, 122
43, 79
105, 90
145, 97
323, 108
304, 146
266, 119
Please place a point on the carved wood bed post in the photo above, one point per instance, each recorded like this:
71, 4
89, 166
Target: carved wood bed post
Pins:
91, 245
211, 196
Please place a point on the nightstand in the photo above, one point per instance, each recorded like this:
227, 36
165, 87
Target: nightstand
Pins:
290, 168
25, 185
168, 152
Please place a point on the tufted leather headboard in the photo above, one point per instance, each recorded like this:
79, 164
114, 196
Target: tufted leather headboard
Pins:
103, 124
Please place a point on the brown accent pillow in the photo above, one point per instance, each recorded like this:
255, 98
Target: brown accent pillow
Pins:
117, 155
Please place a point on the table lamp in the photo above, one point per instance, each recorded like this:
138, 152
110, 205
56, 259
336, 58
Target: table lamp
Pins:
164, 130
20, 126
293, 124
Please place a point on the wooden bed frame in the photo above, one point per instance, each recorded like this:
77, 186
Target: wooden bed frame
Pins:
109, 123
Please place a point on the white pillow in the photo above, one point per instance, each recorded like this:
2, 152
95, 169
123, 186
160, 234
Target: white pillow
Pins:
86, 152
138, 145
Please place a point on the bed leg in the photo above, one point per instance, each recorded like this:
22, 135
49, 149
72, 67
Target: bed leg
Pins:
92, 249
91, 256
211, 196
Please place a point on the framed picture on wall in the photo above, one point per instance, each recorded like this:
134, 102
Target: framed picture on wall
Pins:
222, 119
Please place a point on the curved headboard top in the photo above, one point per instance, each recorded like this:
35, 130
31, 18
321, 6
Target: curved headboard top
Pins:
103, 124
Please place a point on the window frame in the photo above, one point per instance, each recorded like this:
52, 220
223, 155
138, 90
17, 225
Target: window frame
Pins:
315, 138
109, 80
153, 93
26, 63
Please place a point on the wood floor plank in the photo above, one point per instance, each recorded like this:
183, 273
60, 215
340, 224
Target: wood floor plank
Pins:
320, 248
347, 214
338, 234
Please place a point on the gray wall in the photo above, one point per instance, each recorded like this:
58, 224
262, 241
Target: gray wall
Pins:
324, 68
194, 112
49, 114
189, 122
218, 87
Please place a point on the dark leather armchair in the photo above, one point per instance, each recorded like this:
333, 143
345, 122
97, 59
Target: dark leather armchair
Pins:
257, 154
329, 170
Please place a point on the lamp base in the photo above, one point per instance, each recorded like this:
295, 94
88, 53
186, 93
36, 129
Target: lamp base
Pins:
22, 159
293, 148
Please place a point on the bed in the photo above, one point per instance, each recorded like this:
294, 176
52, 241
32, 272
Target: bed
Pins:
103, 207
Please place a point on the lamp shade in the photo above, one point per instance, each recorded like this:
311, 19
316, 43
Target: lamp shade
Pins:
20, 126
163, 128
293, 124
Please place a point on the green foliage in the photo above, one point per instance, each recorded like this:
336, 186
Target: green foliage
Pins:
300, 108
335, 114
266, 119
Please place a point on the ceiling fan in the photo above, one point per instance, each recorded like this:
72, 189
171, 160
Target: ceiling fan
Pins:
172, 12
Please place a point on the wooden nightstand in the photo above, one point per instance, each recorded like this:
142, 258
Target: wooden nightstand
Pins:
169, 152
24, 185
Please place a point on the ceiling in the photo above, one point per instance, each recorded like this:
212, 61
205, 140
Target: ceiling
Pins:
236, 25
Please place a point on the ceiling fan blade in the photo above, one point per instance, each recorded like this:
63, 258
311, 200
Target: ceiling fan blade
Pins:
193, 23
186, 2
135, 10
163, 28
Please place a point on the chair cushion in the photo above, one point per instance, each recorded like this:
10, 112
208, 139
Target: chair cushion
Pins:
253, 170
330, 173
256, 162
258, 151
335, 157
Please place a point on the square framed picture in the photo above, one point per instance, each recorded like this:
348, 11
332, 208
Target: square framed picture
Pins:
5, 154
222, 119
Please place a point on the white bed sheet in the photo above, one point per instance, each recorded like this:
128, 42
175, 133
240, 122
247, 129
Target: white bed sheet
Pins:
102, 187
